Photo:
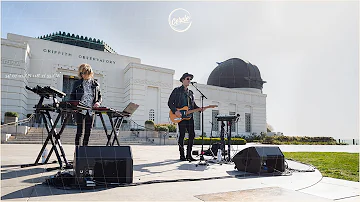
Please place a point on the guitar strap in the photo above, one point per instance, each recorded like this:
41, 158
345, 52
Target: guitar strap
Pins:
188, 99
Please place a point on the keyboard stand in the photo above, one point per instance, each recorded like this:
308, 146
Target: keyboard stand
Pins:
115, 121
44, 112
53, 137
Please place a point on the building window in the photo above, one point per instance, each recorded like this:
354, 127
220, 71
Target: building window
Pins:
214, 120
247, 122
233, 126
152, 115
196, 116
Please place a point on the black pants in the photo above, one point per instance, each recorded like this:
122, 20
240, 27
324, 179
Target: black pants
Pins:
80, 118
189, 126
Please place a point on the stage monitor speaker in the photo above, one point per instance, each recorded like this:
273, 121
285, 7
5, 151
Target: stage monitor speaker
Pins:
103, 164
260, 159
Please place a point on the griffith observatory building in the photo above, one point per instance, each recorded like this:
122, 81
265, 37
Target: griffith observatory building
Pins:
52, 60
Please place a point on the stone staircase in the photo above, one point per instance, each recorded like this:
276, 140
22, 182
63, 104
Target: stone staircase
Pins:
97, 137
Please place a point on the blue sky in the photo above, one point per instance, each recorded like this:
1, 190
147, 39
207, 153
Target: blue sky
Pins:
308, 52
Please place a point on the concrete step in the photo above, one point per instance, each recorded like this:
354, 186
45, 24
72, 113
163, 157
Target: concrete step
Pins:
94, 137
65, 132
69, 135
70, 140
74, 132
98, 137
90, 143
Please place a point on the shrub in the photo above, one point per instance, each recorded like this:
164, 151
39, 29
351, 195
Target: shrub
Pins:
12, 114
162, 128
268, 140
150, 122
299, 140
254, 137
156, 127
198, 141
170, 127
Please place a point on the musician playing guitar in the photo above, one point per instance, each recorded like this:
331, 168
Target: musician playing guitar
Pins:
179, 98
86, 90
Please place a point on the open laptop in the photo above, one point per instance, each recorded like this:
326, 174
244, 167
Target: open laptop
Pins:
130, 108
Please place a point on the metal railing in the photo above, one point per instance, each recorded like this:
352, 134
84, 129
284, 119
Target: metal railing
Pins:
20, 122
23, 122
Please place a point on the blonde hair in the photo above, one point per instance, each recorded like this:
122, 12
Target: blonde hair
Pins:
85, 68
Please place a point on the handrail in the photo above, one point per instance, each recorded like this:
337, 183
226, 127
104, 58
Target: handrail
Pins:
19, 122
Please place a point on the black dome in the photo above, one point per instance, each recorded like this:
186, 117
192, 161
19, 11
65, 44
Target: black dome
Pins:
235, 73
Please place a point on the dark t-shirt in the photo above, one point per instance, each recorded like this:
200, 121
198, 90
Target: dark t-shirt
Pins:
185, 96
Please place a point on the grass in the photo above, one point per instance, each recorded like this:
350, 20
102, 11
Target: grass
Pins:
338, 165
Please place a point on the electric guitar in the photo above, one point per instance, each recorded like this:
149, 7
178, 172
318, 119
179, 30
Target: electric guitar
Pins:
186, 114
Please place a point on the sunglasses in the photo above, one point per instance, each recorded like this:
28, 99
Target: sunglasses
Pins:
84, 73
188, 79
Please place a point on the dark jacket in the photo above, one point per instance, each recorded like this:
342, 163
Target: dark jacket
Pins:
175, 99
78, 91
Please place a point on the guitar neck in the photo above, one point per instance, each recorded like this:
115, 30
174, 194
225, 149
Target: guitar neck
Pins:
195, 110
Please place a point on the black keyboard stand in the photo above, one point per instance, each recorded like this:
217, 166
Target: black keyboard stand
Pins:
115, 122
229, 119
53, 136
222, 141
116, 119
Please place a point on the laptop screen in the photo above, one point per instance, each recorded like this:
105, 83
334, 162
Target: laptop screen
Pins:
131, 108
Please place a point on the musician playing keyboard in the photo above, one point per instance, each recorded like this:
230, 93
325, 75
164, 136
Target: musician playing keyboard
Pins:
86, 90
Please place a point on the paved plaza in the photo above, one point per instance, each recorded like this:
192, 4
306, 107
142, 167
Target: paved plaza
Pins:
181, 181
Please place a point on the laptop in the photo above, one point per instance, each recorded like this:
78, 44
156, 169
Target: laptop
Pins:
130, 108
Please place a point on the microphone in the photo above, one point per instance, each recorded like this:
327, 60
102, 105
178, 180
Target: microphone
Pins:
192, 82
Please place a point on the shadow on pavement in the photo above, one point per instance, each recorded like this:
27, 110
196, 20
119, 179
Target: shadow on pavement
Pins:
9, 174
40, 190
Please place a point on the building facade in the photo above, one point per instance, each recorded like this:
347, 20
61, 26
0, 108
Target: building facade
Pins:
27, 61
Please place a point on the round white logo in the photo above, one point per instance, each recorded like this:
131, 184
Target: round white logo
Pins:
180, 20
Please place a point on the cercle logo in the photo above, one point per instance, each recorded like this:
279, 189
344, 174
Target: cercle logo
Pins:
180, 20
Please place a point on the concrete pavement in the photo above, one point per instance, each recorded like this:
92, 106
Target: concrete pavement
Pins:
196, 183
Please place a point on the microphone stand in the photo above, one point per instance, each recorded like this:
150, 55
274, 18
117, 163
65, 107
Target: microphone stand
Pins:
202, 128
210, 145
212, 125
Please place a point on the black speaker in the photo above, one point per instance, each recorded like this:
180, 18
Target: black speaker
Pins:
103, 164
260, 159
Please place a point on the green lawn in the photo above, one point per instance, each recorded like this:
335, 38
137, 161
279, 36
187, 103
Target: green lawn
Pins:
338, 165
